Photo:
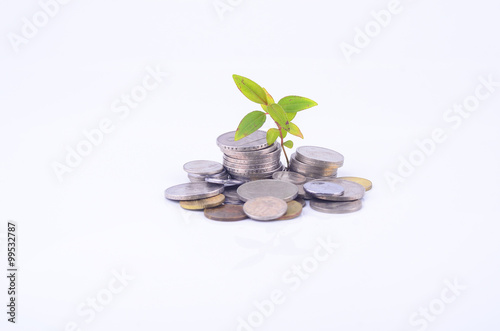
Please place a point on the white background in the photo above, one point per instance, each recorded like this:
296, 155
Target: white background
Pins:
108, 214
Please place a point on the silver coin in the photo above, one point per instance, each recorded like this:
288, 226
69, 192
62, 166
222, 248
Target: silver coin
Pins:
225, 182
336, 207
268, 165
222, 174
270, 151
311, 167
201, 178
303, 194
232, 196
203, 167
265, 208
290, 176
193, 191
352, 191
250, 157
248, 178
323, 189
239, 202
319, 156
249, 171
231, 193
251, 177
268, 187
312, 175
196, 179
256, 140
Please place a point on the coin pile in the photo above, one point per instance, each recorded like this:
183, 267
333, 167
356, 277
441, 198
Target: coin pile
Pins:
249, 158
316, 162
242, 187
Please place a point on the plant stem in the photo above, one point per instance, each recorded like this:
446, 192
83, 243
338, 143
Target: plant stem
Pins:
283, 148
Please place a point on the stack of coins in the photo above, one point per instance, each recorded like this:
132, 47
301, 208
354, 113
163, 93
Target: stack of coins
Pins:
249, 158
335, 196
316, 162
200, 170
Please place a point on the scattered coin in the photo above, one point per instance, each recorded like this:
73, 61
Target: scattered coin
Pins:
225, 182
352, 191
290, 176
323, 189
319, 156
265, 208
226, 213
268, 187
201, 178
294, 209
336, 207
193, 191
365, 182
203, 203
203, 167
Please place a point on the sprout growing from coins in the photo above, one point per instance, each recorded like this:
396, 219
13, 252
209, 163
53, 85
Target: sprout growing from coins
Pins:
282, 113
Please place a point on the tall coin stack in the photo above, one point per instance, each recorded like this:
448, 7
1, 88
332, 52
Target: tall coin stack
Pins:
316, 162
249, 158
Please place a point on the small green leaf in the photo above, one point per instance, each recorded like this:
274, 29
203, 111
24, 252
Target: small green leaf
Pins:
293, 103
294, 129
291, 116
249, 124
269, 99
279, 116
288, 144
251, 89
272, 135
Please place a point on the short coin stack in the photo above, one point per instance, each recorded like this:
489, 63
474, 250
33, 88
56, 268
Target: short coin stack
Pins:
316, 162
335, 196
199, 170
249, 158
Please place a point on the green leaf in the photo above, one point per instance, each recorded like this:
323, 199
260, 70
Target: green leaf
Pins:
251, 89
249, 124
288, 144
272, 135
269, 99
294, 129
291, 116
293, 103
279, 116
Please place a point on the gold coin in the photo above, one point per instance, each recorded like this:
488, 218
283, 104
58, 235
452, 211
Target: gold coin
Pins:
294, 209
364, 182
203, 203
